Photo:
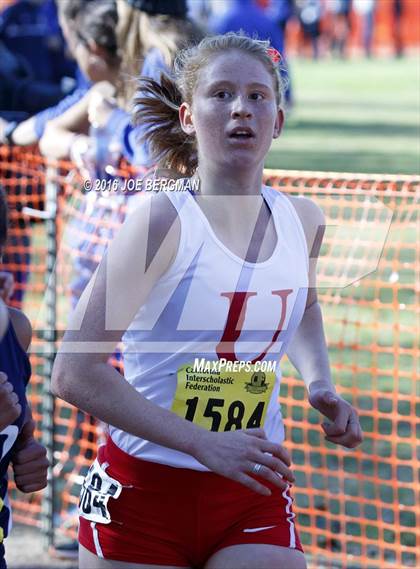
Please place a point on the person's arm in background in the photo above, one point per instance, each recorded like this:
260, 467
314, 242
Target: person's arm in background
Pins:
308, 348
30, 131
29, 461
61, 133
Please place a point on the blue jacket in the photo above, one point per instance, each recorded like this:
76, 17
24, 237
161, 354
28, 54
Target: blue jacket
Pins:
247, 16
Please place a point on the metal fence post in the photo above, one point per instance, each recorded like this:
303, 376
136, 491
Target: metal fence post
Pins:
48, 429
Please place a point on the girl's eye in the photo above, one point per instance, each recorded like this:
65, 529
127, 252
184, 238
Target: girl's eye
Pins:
222, 94
256, 96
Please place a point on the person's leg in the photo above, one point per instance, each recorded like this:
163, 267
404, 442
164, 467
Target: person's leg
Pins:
88, 560
250, 556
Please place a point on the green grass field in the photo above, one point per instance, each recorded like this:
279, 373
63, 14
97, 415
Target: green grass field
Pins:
352, 116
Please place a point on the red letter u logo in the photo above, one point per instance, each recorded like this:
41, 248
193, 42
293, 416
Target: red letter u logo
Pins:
237, 309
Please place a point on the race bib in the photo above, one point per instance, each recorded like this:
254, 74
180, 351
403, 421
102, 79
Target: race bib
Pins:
97, 489
221, 400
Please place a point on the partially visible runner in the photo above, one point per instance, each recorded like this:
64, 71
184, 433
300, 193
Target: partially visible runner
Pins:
17, 444
194, 472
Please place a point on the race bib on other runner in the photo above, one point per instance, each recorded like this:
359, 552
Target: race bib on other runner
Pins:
223, 401
97, 489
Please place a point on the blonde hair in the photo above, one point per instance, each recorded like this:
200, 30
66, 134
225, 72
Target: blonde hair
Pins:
138, 32
158, 104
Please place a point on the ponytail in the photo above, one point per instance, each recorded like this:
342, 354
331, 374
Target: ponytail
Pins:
157, 104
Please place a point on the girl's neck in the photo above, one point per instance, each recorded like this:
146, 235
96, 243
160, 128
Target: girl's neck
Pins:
231, 181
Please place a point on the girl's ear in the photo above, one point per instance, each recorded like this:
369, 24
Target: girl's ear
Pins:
186, 119
278, 125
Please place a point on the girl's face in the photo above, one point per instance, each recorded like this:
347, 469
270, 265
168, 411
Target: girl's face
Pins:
91, 61
234, 113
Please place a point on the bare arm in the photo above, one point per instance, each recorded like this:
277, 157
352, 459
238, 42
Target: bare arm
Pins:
61, 132
24, 134
308, 348
22, 327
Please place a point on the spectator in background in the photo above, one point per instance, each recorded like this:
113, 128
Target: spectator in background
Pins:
398, 11
200, 11
93, 132
37, 73
155, 32
247, 16
76, 134
282, 11
26, 132
309, 14
366, 10
340, 25
96, 52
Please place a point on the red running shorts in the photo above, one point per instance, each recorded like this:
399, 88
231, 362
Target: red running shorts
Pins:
143, 512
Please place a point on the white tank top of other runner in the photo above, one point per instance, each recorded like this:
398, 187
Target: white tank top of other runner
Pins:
192, 308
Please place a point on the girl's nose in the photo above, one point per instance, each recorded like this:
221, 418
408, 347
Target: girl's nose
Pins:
241, 108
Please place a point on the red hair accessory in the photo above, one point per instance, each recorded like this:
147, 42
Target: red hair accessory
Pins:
274, 55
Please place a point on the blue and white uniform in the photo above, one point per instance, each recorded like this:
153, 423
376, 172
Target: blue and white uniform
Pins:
14, 362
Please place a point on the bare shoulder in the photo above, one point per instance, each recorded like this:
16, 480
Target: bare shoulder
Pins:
22, 327
311, 217
308, 211
151, 223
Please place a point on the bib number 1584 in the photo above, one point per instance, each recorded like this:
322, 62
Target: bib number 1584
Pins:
228, 419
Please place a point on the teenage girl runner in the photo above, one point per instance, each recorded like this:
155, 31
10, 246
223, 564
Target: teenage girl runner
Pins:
17, 443
194, 473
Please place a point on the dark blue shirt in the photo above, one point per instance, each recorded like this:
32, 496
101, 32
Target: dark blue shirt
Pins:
14, 362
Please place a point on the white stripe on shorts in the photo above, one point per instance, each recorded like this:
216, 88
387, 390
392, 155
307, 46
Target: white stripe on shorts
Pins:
95, 534
290, 518
96, 540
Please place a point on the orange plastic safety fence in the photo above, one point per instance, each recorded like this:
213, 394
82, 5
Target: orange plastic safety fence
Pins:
355, 508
